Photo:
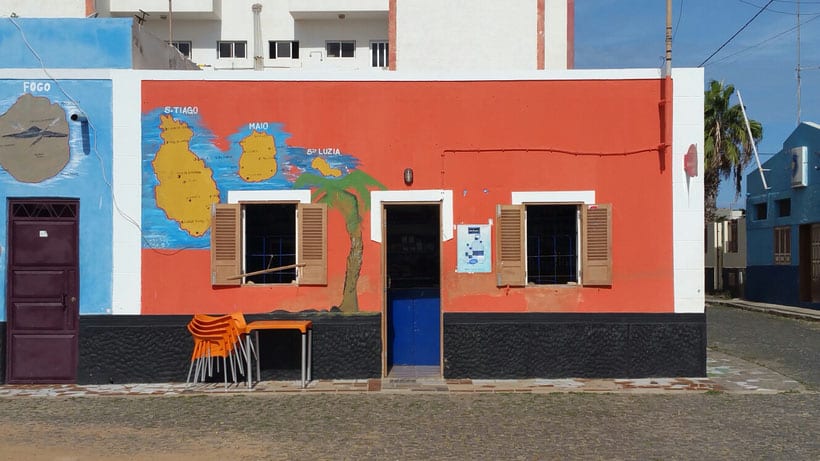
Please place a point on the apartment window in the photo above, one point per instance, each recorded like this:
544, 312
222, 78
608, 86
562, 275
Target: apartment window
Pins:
340, 49
250, 239
379, 54
539, 244
229, 49
283, 49
732, 243
183, 47
760, 211
784, 207
782, 245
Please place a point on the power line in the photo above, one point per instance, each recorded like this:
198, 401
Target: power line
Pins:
778, 35
736, 33
680, 16
790, 13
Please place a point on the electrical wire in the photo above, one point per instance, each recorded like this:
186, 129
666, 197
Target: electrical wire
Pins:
680, 15
736, 33
778, 35
790, 13
92, 132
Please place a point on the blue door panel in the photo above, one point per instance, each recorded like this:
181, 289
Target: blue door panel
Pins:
401, 329
414, 327
426, 330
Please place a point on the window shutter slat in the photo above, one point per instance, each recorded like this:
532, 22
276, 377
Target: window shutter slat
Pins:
225, 244
597, 245
312, 246
510, 266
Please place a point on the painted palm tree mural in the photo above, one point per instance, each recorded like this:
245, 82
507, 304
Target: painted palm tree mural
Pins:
350, 194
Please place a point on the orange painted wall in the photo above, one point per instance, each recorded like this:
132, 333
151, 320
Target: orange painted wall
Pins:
463, 136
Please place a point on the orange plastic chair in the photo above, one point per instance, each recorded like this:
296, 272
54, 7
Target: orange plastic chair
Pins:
215, 337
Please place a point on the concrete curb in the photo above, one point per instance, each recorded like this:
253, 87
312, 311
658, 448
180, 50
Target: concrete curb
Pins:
773, 309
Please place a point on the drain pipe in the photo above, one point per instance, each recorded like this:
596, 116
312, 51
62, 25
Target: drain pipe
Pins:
258, 64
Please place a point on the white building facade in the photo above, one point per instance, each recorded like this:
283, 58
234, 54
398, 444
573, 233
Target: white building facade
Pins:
417, 35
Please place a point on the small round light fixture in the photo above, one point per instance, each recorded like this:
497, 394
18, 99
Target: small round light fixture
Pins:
408, 176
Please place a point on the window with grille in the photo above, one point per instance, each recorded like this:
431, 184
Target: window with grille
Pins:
231, 49
269, 243
541, 244
552, 244
782, 245
340, 48
283, 49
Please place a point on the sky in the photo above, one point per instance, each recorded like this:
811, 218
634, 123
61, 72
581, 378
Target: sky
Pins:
760, 61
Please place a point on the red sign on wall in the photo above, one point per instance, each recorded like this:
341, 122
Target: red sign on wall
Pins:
690, 161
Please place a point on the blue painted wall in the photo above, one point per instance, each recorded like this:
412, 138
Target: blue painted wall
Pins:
766, 281
66, 43
86, 176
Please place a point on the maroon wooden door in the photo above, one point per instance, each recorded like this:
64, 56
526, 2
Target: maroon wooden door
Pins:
42, 291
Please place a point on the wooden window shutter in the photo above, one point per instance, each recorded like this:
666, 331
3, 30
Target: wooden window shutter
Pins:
225, 244
312, 245
596, 265
510, 262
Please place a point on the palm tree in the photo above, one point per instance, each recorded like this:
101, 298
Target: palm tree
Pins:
728, 149
348, 194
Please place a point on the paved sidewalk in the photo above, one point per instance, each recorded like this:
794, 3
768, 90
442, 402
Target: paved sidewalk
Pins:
725, 373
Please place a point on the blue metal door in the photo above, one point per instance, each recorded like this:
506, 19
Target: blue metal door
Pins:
414, 326
413, 307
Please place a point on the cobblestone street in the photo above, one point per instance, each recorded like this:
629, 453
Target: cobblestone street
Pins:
423, 426
759, 402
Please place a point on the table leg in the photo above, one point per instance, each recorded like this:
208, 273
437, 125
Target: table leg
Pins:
304, 357
250, 361
309, 359
258, 356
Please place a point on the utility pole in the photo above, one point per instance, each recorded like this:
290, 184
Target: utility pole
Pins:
799, 90
668, 66
170, 23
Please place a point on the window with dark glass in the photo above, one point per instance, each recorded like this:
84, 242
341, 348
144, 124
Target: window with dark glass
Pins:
552, 244
784, 207
283, 49
183, 47
760, 211
379, 54
732, 244
340, 48
231, 49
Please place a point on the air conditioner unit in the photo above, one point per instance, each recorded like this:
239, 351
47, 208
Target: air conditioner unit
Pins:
799, 166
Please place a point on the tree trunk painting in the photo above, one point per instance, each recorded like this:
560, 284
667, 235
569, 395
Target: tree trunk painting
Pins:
350, 195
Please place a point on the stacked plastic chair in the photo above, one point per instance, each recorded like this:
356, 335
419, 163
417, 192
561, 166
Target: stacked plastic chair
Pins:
217, 337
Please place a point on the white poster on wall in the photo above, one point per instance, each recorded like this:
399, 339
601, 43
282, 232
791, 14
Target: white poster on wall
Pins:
474, 254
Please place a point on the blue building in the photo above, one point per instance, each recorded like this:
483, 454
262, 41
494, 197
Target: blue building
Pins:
783, 225
57, 176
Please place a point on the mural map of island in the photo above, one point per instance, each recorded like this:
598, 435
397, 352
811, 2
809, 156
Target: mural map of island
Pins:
185, 173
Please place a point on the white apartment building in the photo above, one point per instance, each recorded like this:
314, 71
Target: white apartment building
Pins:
409, 35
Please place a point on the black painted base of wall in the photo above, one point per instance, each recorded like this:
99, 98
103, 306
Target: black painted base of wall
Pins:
535, 345
145, 349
